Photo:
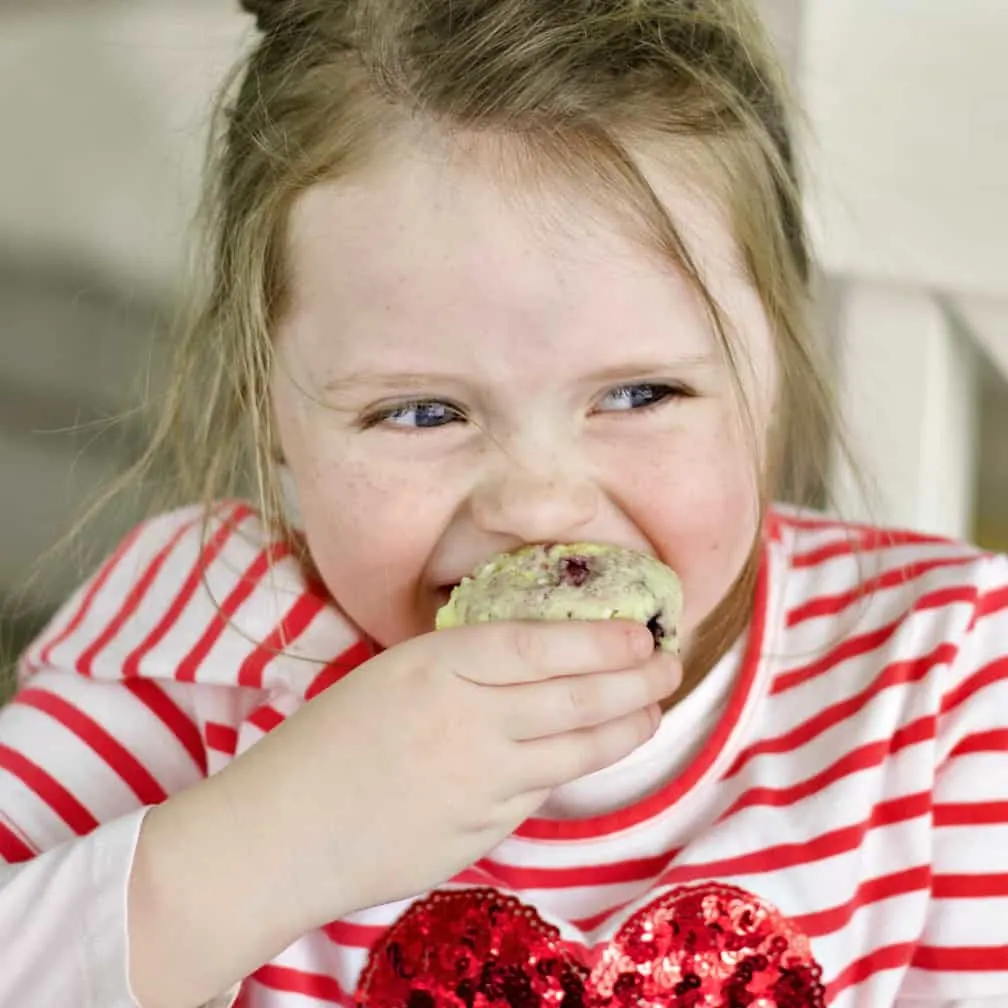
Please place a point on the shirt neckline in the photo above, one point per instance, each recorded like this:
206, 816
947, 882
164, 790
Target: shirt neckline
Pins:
683, 783
683, 730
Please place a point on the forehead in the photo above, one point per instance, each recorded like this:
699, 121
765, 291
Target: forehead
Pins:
450, 248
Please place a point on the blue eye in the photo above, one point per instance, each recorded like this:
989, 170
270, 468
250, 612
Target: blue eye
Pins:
421, 415
639, 396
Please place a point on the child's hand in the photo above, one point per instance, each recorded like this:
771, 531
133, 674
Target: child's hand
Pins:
426, 757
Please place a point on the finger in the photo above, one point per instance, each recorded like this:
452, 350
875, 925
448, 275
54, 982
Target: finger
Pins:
500, 654
537, 710
559, 759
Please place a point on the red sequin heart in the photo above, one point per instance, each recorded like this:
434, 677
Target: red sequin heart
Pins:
700, 946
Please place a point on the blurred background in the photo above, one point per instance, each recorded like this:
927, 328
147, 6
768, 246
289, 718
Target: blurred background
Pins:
103, 111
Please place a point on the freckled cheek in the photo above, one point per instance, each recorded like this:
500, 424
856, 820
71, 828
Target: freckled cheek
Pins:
702, 517
350, 514
717, 492
371, 538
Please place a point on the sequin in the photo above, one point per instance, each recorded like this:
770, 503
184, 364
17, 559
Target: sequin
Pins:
701, 946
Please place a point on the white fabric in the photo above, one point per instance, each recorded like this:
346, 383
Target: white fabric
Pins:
71, 898
847, 762
682, 731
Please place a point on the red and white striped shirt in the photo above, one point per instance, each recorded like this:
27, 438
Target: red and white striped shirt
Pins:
847, 762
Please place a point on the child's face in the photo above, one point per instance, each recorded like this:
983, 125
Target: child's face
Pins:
462, 371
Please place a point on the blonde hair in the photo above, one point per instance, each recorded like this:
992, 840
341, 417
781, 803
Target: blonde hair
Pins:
576, 82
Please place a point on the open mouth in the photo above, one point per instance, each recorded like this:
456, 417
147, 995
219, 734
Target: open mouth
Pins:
657, 629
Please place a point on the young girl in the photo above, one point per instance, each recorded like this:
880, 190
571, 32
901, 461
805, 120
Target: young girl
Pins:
489, 273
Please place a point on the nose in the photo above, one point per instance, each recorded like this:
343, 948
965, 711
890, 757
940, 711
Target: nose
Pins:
545, 503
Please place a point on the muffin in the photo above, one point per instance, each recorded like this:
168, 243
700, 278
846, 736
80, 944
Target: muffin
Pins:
577, 581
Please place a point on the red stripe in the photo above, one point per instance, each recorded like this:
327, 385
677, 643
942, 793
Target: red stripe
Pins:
266, 718
826, 523
90, 594
994, 741
863, 758
519, 877
816, 522
189, 666
294, 623
982, 959
354, 936
956, 887
830, 605
350, 659
826, 922
13, 850
48, 790
221, 738
119, 759
986, 676
890, 957
154, 698
852, 647
293, 981
815, 925
772, 527
209, 553
790, 855
136, 595
474, 877
823, 922
940, 598
586, 925
830, 551
896, 674
971, 814
862, 540
989, 604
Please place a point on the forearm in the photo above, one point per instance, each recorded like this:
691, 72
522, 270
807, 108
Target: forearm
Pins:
208, 898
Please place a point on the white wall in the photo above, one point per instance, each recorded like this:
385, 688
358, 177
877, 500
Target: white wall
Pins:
104, 139
909, 206
907, 99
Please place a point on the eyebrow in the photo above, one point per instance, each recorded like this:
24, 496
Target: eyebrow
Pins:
391, 380
621, 372
652, 368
